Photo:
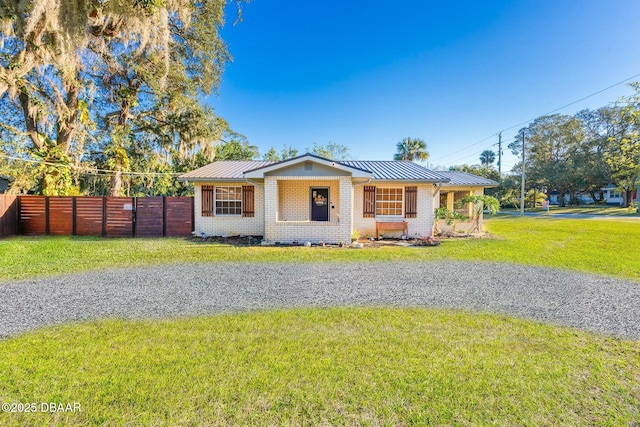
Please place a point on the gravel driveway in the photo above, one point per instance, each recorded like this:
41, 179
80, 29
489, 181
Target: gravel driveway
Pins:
589, 302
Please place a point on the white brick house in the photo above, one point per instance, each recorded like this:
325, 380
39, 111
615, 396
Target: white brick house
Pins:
310, 198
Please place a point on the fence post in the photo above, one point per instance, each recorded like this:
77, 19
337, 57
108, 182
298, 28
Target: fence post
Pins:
19, 215
164, 216
104, 216
47, 228
74, 212
134, 213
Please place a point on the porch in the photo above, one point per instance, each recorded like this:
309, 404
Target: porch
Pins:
309, 209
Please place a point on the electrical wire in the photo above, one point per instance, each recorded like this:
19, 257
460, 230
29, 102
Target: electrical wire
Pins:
92, 171
530, 120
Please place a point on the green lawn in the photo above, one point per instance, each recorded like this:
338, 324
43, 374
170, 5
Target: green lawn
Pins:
346, 366
353, 366
616, 211
600, 246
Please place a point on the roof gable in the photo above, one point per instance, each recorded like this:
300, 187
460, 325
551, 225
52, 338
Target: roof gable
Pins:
260, 171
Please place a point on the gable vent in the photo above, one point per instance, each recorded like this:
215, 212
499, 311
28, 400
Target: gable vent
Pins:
308, 166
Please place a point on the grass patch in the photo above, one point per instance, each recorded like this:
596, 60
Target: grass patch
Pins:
355, 366
584, 209
599, 246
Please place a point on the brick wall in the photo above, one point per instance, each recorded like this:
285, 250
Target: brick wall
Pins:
294, 199
229, 225
422, 224
287, 210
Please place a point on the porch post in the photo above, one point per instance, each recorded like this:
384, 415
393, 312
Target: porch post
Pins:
450, 200
270, 207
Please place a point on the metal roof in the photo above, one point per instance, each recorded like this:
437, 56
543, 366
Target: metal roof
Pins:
401, 170
464, 178
224, 169
392, 170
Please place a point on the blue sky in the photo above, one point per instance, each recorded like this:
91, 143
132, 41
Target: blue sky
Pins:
367, 74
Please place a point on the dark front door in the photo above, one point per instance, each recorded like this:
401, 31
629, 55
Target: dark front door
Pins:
319, 204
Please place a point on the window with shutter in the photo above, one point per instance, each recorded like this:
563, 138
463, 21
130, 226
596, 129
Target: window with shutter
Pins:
411, 202
389, 201
228, 200
207, 200
369, 202
247, 201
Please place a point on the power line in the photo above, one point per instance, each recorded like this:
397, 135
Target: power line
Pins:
93, 171
575, 102
530, 120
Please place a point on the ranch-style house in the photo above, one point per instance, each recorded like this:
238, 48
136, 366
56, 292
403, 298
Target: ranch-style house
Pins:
313, 199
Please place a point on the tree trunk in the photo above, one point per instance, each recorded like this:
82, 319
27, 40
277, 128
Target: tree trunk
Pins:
30, 120
67, 125
115, 186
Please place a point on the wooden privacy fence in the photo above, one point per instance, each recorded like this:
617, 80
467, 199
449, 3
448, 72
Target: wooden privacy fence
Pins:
9, 215
96, 216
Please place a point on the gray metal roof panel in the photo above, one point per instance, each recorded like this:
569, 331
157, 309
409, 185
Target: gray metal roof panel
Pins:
402, 170
225, 169
464, 178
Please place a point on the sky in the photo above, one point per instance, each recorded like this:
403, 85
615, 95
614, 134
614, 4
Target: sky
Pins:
366, 74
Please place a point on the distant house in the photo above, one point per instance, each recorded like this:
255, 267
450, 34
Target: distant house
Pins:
578, 197
4, 183
612, 195
310, 198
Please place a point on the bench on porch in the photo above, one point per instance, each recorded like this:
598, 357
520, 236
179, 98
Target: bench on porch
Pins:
400, 225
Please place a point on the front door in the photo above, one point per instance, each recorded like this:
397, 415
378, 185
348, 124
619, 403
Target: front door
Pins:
319, 204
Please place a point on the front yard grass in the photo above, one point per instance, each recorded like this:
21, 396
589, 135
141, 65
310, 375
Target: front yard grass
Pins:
347, 366
616, 211
606, 247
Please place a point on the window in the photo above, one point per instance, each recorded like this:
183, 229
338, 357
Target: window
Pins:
389, 202
228, 200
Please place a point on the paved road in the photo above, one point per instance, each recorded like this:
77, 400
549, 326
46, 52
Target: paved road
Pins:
590, 302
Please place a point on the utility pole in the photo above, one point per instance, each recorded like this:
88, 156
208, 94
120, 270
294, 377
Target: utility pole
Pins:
500, 153
522, 186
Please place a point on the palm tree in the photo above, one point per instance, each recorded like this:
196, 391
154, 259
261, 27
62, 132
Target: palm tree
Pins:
413, 149
487, 157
